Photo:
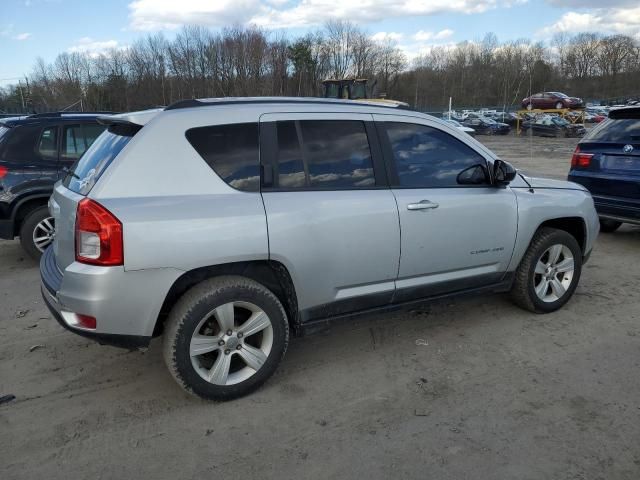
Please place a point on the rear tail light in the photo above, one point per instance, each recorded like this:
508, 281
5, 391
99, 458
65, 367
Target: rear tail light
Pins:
581, 160
3, 171
98, 235
86, 321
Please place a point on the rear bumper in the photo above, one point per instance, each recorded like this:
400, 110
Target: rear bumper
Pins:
125, 304
6, 229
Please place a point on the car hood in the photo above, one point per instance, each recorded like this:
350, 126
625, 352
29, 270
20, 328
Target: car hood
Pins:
539, 183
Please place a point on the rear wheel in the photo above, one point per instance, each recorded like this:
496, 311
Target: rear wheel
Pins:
225, 337
549, 271
608, 226
37, 232
529, 106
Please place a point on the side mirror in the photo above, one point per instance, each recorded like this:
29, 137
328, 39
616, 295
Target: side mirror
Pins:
473, 175
503, 173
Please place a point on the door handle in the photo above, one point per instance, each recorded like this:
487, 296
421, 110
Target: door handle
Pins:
423, 205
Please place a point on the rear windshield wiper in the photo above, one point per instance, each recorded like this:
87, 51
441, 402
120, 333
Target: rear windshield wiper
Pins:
68, 172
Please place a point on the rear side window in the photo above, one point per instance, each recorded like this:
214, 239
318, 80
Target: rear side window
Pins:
426, 157
48, 143
615, 131
86, 171
232, 151
323, 154
21, 144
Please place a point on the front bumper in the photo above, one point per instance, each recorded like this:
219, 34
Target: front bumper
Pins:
125, 304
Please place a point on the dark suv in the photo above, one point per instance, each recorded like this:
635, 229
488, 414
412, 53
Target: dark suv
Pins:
607, 162
34, 153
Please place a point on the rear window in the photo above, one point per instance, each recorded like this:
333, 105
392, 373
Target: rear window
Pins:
616, 131
86, 171
232, 151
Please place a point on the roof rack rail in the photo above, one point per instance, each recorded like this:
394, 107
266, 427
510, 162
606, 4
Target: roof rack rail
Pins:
61, 113
209, 102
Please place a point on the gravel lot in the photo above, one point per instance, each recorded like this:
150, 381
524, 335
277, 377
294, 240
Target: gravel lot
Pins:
467, 389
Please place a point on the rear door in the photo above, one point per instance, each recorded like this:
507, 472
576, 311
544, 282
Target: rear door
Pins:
332, 220
454, 237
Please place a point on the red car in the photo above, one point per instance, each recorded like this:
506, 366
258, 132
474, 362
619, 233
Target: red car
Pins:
548, 100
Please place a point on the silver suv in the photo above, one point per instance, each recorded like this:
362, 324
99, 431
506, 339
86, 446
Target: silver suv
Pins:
225, 224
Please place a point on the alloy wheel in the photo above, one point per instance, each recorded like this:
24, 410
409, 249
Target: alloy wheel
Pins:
553, 273
44, 233
231, 343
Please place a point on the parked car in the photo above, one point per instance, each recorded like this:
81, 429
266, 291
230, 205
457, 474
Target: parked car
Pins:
34, 151
551, 100
607, 162
461, 127
554, 126
486, 126
505, 117
226, 224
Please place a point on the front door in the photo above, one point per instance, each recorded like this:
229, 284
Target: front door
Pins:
331, 217
454, 236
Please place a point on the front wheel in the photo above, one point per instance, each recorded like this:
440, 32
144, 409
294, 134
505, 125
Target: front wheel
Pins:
225, 337
559, 105
549, 271
37, 232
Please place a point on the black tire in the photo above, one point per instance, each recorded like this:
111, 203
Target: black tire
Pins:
522, 292
27, 228
195, 305
609, 226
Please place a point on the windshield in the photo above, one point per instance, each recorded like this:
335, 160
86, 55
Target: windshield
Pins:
488, 120
560, 94
561, 122
86, 171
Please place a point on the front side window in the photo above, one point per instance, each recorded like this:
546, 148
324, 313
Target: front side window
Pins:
232, 151
323, 154
426, 157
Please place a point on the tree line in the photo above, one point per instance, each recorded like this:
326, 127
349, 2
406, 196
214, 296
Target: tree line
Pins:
248, 61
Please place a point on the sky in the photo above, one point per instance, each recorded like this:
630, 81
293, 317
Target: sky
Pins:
45, 28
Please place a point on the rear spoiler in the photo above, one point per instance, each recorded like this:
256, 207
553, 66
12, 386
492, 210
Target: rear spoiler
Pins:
120, 126
625, 113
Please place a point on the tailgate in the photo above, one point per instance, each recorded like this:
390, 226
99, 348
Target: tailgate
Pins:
614, 169
63, 205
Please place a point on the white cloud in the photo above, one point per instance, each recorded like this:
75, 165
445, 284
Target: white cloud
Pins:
603, 20
387, 36
171, 14
22, 36
94, 48
424, 36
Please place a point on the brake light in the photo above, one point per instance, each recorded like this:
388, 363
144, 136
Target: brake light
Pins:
3, 171
581, 160
98, 235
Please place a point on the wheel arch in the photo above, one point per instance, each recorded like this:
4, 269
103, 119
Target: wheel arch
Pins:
574, 226
272, 274
26, 205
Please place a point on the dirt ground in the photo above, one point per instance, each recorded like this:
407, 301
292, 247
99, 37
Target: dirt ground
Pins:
467, 389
